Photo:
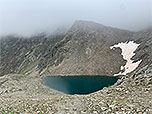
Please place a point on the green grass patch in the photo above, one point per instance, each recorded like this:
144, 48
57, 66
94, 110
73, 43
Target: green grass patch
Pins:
149, 83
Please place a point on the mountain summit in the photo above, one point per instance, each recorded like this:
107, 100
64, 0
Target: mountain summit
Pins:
83, 50
109, 34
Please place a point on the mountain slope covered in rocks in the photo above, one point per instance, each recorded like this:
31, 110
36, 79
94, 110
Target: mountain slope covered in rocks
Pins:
84, 45
84, 49
20, 55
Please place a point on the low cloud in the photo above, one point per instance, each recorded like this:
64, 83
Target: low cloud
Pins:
27, 17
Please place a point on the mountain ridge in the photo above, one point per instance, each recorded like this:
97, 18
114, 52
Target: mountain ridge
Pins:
83, 49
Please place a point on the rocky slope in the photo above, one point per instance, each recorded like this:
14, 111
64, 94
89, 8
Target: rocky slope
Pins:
20, 55
25, 92
84, 49
144, 51
89, 52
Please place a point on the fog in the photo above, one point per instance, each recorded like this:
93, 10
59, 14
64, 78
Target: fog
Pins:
26, 17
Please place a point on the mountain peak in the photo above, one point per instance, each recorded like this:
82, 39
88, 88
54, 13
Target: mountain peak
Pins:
86, 25
85, 22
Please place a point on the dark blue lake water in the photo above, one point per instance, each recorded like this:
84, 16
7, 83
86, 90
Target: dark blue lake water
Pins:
79, 84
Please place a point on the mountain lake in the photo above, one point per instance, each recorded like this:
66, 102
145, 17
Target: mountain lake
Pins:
79, 84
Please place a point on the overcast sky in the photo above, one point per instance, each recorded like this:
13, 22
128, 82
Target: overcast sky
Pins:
26, 17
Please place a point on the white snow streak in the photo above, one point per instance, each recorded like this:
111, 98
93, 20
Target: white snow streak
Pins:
128, 49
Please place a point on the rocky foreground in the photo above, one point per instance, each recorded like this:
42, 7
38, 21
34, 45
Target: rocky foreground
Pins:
28, 95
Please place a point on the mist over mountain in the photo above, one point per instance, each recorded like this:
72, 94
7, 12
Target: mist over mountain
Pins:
28, 17
83, 49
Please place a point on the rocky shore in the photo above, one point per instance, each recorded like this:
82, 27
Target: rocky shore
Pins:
28, 95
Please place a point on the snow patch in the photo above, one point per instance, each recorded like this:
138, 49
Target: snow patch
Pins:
128, 49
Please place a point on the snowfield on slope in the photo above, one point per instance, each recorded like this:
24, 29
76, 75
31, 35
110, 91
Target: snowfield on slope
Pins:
128, 49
